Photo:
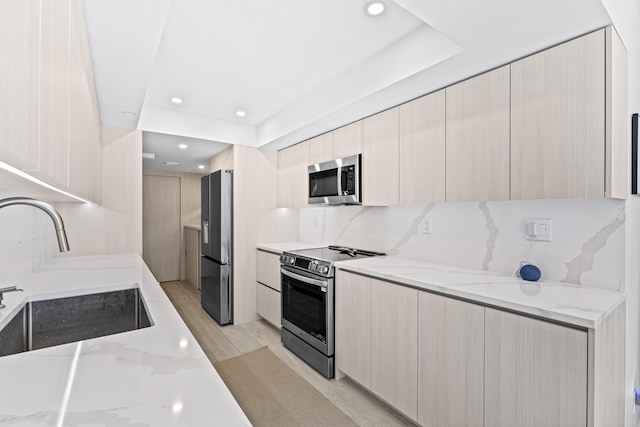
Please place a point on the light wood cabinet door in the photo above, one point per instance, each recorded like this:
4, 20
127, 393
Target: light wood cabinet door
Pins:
353, 327
84, 132
394, 345
293, 177
321, 148
450, 362
535, 372
347, 140
19, 82
54, 92
161, 226
192, 256
477, 147
268, 269
300, 175
422, 149
557, 121
380, 176
285, 178
268, 304
617, 119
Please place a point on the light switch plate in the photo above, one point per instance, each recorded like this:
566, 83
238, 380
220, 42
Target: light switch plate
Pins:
538, 229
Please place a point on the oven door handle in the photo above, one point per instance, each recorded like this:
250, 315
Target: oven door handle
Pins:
305, 279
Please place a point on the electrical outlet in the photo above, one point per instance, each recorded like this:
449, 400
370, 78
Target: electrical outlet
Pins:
427, 226
537, 229
314, 222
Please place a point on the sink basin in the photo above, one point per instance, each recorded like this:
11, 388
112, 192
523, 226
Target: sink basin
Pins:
41, 324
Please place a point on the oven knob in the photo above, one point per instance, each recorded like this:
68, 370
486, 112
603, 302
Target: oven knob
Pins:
324, 269
292, 260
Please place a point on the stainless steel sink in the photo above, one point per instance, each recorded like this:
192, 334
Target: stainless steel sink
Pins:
41, 324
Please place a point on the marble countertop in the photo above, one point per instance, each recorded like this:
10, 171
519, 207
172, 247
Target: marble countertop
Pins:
562, 302
153, 376
287, 246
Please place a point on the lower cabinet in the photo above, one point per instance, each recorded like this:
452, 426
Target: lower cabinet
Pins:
445, 362
353, 327
535, 372
450, 362
268, 299
268, 304
394, 348
376, 334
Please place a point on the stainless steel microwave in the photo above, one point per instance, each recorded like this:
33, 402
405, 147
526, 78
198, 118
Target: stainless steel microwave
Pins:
337, 182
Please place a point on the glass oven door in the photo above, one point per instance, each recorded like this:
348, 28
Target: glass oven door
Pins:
307, 308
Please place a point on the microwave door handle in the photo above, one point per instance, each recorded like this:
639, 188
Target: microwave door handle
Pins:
339, 181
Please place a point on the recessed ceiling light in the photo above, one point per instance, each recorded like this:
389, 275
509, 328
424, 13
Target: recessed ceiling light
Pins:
129, 113
148, 156
171, 163
200, 166
241, 113
183, 146
375, 8
177, 100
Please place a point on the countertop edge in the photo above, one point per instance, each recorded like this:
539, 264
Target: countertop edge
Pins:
543, 313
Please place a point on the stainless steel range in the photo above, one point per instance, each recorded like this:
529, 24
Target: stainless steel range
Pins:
307, 279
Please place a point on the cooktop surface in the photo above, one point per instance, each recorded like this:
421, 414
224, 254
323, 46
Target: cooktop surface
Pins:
336, 253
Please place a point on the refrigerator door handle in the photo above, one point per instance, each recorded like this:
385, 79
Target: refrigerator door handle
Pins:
205, 232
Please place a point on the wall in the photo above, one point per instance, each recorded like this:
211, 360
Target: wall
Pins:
114, 226
625, 15
189, 204
256, 218
586, 249
21, 228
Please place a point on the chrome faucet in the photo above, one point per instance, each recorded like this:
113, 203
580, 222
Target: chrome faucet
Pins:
61, 234
9, 289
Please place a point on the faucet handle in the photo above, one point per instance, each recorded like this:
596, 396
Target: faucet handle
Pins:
8, 289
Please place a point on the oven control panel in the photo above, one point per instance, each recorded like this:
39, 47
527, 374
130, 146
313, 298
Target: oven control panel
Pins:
319, 267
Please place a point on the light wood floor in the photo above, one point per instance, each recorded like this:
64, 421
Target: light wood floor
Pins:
220, 343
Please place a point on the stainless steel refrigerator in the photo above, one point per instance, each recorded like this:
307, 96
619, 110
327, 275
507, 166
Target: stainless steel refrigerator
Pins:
216, 293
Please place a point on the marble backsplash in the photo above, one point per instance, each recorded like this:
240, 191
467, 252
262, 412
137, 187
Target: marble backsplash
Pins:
587, 247
22, 249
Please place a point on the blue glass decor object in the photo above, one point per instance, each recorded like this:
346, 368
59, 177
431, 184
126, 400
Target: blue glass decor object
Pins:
529, 272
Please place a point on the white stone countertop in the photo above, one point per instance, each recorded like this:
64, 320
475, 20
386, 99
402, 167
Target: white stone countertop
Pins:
157, 376
562, 302
278, 248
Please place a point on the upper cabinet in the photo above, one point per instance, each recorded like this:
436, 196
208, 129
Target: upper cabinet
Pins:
380, 168
49, 118
557, 121
293, 176
569, 120
55, 79
84, 124
477, 154
422, 149
551, 125
347, 140
321, 148
19, 82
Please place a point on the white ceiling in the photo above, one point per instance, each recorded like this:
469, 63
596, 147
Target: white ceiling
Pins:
297, 68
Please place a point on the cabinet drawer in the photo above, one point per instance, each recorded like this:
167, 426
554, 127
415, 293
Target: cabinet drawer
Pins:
268, 304
268, 269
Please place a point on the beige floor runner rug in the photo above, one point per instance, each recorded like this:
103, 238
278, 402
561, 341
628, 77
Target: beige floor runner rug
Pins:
272, 394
